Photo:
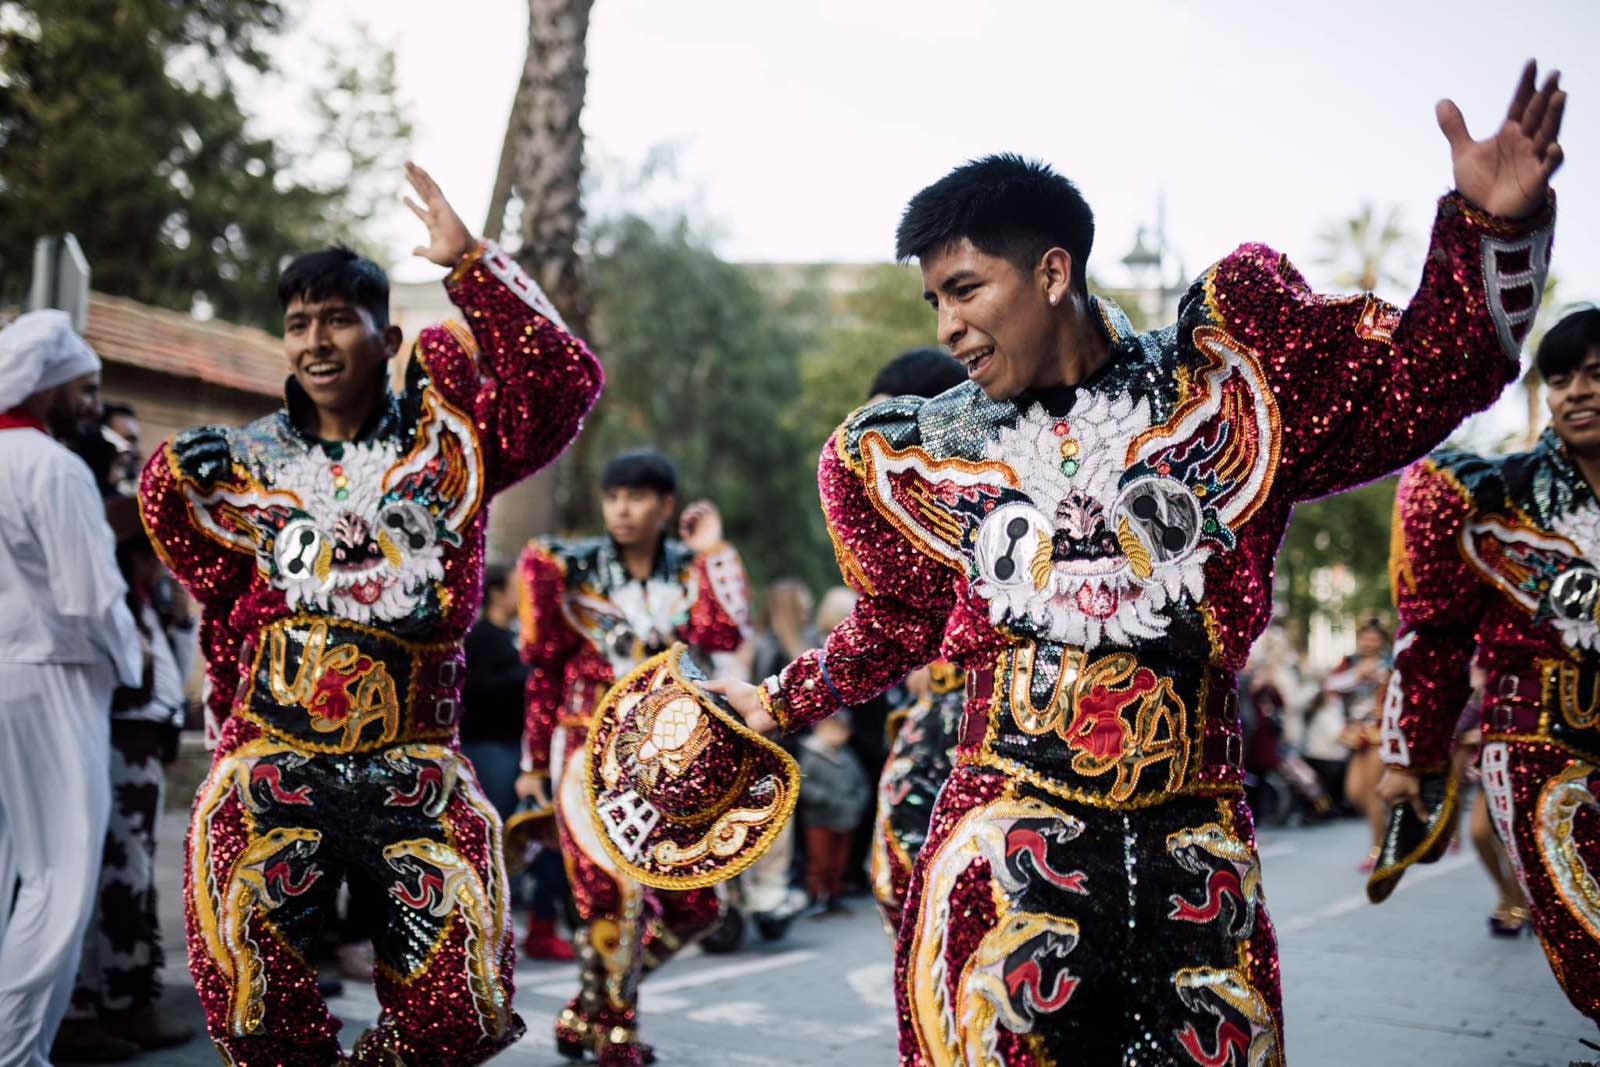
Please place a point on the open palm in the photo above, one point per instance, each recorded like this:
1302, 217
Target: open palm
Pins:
1509, 173
448, 237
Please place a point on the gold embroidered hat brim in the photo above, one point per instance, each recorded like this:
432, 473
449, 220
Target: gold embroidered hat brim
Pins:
734, 819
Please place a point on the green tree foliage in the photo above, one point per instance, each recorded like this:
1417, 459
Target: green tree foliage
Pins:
702, 364
879, 314
120, 121
1346, 534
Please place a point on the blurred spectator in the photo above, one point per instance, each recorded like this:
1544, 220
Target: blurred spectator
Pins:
924, 372
1356, 686
119, 428
784, 627
833, 803
119, 982
66, 639
784, 631
868, 736
1271, 693
492, 699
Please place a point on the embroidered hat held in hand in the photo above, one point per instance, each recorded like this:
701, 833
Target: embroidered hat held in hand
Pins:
683, 793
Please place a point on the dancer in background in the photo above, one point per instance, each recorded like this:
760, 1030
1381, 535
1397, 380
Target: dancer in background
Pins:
593, 610
1501, 557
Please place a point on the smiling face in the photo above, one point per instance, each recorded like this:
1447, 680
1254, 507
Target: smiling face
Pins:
337, 353
1574, 398
995, 318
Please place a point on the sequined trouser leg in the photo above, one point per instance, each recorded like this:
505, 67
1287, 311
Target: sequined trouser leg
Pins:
1051, 932
629, 930
1544, 805
272, 833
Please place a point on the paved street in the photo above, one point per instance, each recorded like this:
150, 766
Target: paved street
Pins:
1417, 981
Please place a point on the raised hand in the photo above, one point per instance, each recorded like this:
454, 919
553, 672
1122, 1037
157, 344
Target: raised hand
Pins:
448, 237
1509, 174
701, 526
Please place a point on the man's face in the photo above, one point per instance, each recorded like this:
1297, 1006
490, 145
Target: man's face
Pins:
336, 352
635, 516
127, 428
993, 317
1574, 398
74, 408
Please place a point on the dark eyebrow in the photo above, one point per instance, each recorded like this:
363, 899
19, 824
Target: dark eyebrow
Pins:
951, 283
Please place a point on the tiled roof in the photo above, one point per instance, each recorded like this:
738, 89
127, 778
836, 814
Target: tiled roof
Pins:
170, 342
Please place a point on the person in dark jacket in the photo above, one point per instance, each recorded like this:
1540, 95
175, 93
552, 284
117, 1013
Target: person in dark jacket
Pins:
833, 802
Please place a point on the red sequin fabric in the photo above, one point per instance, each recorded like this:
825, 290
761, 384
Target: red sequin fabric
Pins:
1498, 557
1098, 559
586, 621
337, 580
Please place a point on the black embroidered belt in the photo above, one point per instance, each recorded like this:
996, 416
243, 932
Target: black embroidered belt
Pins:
328, 685
1558, 702
1113, 729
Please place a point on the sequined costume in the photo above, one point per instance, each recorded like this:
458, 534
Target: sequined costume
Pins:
337, 582
921, 755
1500, 556
1099, 559
587, 622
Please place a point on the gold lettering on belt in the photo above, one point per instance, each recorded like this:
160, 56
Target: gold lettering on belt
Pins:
340, 688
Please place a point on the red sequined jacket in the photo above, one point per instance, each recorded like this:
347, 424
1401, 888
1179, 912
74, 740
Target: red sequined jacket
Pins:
1100, 558
385, 532
586, 622
1496, 556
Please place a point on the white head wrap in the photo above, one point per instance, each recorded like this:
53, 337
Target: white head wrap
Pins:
39, 351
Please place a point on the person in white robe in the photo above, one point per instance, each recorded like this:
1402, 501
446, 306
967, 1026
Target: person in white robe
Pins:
66, 640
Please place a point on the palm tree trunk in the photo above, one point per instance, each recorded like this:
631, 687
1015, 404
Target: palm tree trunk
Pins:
541, 162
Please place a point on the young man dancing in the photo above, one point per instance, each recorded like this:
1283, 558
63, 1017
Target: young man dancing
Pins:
594, 610
336, 548
1088, 529
1500, 556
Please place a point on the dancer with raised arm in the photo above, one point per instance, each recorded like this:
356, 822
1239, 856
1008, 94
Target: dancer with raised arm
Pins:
1087, 528
336, 547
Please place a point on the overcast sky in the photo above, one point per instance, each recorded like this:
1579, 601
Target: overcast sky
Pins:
805, 126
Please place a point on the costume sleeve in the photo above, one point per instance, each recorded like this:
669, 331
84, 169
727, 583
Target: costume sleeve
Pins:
547, 643
719, 618
1359, 388
898, 620
214, 570
528, 382
1440, 600
197, 461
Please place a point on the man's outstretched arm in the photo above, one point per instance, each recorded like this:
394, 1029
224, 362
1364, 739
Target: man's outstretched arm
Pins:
528, 381
896, 626
1360, 387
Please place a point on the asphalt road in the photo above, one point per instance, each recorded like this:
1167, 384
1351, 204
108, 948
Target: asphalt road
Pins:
1417, 981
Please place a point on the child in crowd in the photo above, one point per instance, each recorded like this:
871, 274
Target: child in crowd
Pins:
833, 801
